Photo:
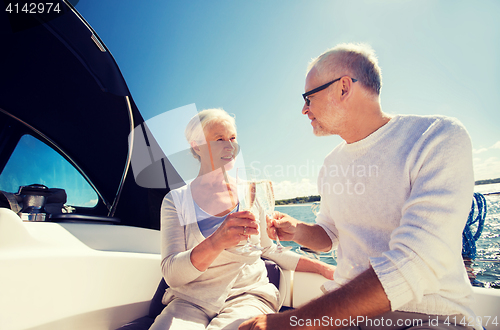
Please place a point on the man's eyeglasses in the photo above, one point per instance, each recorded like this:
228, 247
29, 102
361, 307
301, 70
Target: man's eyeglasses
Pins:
320, 88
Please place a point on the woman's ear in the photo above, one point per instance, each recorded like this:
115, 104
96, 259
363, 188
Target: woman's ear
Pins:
195, 146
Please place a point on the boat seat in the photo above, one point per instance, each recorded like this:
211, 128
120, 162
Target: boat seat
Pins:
156, 306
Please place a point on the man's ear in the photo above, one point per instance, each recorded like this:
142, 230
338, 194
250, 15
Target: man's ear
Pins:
347, 84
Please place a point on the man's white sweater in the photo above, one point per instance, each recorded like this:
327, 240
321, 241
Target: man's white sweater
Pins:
398, 201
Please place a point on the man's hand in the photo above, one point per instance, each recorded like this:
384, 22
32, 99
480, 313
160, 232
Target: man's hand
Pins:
287, 228
364, 296
258, 322
282, 225
267, 322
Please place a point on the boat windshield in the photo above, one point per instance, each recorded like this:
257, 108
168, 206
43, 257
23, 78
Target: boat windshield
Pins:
35, 162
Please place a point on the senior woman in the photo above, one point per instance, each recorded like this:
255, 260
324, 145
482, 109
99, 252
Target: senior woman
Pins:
212, 284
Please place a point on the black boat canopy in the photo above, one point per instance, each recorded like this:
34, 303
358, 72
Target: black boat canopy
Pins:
59, 83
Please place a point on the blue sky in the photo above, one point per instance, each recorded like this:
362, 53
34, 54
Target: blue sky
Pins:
250, 57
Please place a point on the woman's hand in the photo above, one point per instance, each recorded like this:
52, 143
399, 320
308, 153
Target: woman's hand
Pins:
315, 266
237, 227
327, 271
282, 225
229, 234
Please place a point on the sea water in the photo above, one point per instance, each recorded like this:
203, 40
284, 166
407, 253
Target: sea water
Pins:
488, 245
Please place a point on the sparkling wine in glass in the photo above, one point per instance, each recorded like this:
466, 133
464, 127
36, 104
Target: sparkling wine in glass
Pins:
247, 195
265, 195
315, 208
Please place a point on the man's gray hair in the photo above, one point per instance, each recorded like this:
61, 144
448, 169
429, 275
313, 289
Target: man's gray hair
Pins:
195, 128
354, 60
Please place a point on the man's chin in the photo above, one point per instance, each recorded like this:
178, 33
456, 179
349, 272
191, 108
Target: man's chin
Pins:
319, 131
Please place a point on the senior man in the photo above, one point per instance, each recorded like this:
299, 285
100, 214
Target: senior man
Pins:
395, 195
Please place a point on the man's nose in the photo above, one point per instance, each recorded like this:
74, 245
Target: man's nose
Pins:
305, 109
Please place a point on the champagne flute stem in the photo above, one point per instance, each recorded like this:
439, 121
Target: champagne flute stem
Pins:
279, 247
278, 243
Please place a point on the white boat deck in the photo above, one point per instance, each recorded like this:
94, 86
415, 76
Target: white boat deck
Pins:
96, 276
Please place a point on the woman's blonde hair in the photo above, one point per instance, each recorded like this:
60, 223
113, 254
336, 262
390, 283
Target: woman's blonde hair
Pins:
194, 131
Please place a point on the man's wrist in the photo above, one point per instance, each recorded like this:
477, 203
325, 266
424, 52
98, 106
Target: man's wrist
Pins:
312, 236
299, 236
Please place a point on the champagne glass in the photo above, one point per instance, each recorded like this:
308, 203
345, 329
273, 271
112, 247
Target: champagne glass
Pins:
265, 194
246, 188
315, 208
